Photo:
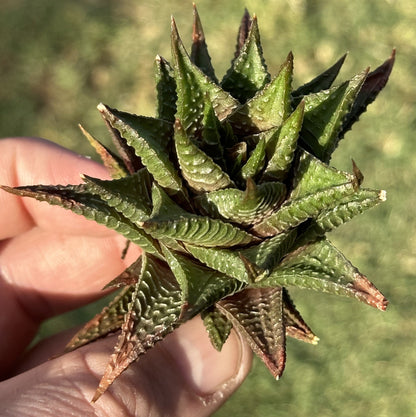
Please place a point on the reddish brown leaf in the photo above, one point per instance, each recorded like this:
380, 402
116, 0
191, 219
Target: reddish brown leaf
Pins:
366, 291
294, 323
257, 314
128, 349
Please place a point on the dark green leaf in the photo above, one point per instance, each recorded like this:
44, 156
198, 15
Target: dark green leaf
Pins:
165, 90
199, 170
248, 73
318, 188
80, 200
264, 256
199, 230
313, 175
218, 327
320, 266
282, 145
373, 84
193, 86
150, 139
270, 252
225, 261
353, 205
163, 206
201, 286
256, 161
213, 135
269, 107
243, 207
129, 195
325, 113
321, 82
296, 211
199, 52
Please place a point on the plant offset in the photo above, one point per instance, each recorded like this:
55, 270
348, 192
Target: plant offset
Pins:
229, 192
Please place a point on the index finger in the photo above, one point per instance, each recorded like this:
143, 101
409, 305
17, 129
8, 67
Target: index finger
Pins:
28, 161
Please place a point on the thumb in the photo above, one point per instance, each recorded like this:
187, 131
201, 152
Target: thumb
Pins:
181, 376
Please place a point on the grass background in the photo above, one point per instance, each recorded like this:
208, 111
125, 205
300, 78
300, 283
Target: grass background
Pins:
59, 59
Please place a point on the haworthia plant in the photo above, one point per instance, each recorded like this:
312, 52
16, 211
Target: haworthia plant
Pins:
229, 192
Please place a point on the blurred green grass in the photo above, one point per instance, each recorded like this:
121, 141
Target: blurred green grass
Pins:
59, 59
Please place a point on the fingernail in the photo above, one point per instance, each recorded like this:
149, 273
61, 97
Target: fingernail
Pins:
206, 369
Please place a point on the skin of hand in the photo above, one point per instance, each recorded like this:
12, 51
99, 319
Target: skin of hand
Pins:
52, 261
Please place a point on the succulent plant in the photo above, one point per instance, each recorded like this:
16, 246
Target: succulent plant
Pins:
229, 192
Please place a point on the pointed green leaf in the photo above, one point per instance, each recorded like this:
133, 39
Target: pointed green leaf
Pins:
199, 52
243, 207
313, 175
296, 211
213, 133
150, 139
109, 320
281, 146
163, 206
218, 327
225, 261
344, 211
325, 113
80, 200
201, 286
127, 153
265, 256
112, 162
243, 32
255, 162
294, 324
199, 170
192, 88
128, 195
270, 252
320, 266
318, 188
137, 129
257, 313
321, 82
248, 73
353, 205
154, 312
269, 107
373, 84
165, 90
200, 230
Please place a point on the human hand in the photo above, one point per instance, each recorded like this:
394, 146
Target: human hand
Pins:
52, 261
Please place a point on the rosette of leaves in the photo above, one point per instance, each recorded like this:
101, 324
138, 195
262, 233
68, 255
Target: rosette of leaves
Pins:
229, 192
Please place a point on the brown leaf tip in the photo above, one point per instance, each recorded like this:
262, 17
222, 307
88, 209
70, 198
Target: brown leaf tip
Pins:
367, 292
